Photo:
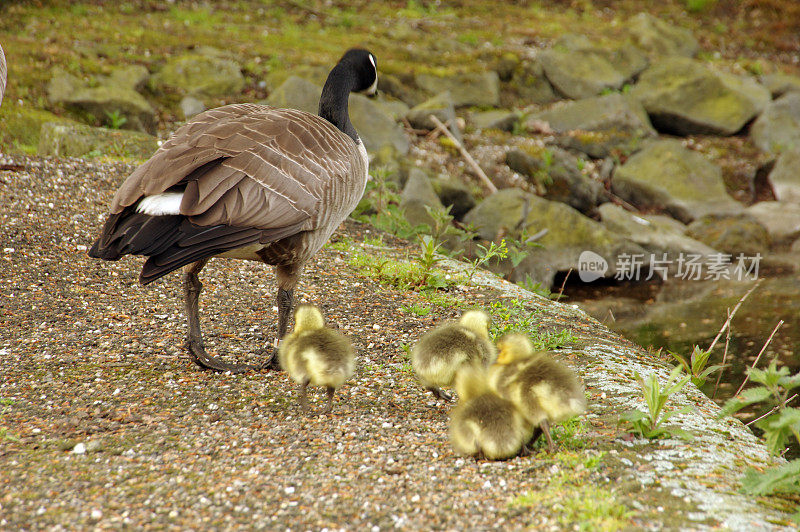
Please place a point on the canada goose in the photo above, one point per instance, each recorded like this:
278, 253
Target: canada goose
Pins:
249, 182
314, 354
544, 390
483, 423
441, 352
3, 73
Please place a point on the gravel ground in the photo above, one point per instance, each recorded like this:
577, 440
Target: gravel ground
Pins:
105, 422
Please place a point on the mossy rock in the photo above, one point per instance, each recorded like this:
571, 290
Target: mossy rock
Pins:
473, 88
78, 140
556, 171
654, 235
781, 219
667, 177
441, 106
579, 73
199, 75
658, 38
600, 125
495, 119
105, 99
454, 194
685, 97
418, 193
731, 234
779, 83
528, 85
785, 176
778, 127
568, 234
20, 127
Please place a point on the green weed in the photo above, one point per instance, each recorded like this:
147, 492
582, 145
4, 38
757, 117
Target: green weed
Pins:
650, 424
695, 366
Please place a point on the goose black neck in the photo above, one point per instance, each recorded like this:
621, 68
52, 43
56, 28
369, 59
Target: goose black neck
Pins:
333, 104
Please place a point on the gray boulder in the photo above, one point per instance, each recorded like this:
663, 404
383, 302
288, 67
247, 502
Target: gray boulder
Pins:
556, 171
685, 97
495, 119
658, 38
397, 109
626, 58
580, 74
454, 194
778, 127
568, 235
78, 140
375, 127
112, 101
475, 88
600, 125
528, 84
667, 177
655, 238
785, 176
782, 220
418, 193
779, 83
441, 106
191, 106
734, 234
132, 77
199, 75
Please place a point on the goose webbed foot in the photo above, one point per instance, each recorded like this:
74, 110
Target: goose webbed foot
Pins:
440, 394
270, 362
206, 361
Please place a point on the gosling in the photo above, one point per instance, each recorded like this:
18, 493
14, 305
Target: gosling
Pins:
483, 423
443, 351
543, 390
314, 354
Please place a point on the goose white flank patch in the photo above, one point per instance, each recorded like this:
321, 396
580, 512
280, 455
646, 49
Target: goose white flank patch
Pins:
161, 204
244, 181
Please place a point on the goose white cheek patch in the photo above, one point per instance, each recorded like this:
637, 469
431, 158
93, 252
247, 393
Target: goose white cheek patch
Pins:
161, 204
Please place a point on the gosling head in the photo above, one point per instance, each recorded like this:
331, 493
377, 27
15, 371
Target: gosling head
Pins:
308, 318
476, 321
513, 347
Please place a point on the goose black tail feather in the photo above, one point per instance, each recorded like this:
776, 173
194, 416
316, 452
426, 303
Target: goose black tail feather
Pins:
172, 241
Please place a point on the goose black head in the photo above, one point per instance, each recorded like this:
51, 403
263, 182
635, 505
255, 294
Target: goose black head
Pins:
365, 69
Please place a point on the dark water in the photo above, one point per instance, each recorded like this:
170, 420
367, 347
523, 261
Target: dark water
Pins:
677, 315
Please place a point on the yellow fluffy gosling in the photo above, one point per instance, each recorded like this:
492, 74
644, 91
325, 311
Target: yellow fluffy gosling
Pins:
544, 390
441, 352
314, 354
483, 423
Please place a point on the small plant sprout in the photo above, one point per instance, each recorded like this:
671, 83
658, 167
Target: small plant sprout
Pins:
115, 119
484, 255
780, 424
695, 366
650, 424
783, 422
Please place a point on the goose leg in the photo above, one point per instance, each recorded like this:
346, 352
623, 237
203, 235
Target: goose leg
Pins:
285, 304
304, 396
194, 340
545, 428
330, 391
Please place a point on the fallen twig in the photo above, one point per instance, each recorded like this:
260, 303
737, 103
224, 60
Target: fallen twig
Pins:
730, 316
465, 154
759, 355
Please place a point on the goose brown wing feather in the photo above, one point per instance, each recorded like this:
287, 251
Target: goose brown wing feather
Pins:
267, 167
